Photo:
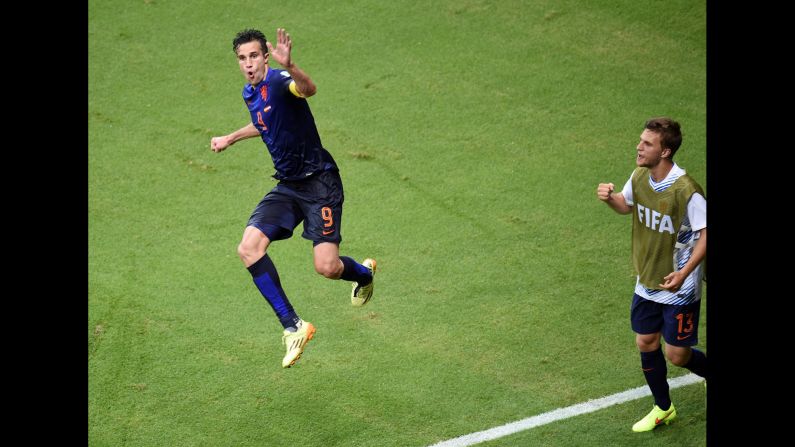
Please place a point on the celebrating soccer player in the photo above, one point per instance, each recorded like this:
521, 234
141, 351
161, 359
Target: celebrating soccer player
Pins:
669, 243
309, 187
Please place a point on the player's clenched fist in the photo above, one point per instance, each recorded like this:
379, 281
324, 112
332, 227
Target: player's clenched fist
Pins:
217, 144
604, 190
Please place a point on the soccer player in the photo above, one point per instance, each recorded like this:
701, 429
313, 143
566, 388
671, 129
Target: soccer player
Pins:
669, 243
309, 187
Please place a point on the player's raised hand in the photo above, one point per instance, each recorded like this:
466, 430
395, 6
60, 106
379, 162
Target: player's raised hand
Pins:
284, 45
604, 190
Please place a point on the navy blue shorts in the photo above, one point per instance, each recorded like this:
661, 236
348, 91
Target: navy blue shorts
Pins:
678, 324
317, 201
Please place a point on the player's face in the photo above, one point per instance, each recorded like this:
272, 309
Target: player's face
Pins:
650, 151
253, 62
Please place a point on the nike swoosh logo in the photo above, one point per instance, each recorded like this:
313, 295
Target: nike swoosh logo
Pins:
682, 338
657, 421
327, 232
647, 369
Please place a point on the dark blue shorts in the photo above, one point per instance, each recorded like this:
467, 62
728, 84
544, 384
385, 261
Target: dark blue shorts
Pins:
317, 201
678, 324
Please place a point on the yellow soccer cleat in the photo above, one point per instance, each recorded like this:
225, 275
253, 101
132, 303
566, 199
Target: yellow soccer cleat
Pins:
360, 295
296, 341
655, 418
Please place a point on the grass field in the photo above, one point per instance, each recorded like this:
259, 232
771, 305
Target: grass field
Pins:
471, 136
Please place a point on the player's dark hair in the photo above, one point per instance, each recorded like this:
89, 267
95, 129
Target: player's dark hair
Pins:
670, 133
249, 35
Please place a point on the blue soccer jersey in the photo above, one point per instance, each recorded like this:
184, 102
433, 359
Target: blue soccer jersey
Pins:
287, 127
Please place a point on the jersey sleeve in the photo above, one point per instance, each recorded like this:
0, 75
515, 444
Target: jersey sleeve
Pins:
697, 212
285, 81
281, 80
627, 192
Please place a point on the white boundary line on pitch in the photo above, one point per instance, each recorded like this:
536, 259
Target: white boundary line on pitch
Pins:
562, 413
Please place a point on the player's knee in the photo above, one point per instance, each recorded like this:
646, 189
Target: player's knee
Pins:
678, 357
246, 251
328, 269
678, 360
647, 344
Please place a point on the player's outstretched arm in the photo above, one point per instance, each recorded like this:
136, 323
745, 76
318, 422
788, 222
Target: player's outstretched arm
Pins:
218, 144
615, 199
282, 54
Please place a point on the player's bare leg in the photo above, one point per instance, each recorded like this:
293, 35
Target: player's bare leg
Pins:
330, 264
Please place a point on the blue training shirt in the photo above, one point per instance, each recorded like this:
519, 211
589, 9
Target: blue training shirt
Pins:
287, 127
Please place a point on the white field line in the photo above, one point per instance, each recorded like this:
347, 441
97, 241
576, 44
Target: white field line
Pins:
562, 413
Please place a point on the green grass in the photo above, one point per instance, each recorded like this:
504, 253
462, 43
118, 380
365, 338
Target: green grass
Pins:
471, 136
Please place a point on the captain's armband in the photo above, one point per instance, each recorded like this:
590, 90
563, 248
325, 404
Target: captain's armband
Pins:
294, 90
